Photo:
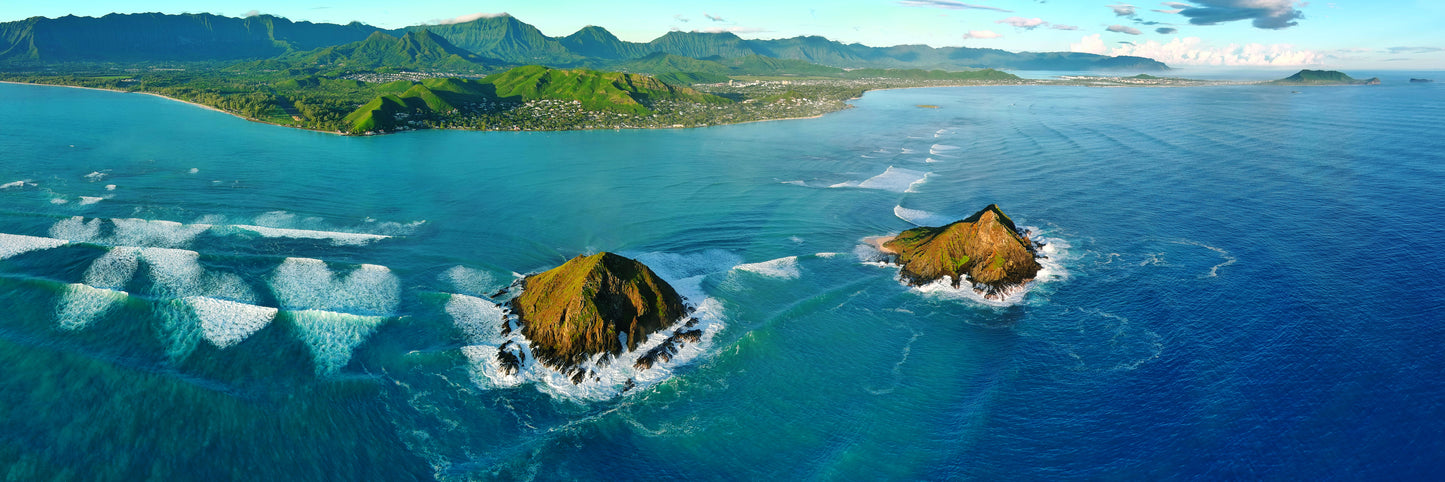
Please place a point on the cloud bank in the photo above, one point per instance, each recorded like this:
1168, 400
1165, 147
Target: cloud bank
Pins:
1266, 14
981, 34
469, 18
1193, 51
949, 4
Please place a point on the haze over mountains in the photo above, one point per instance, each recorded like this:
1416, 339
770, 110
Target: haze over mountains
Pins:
485, 43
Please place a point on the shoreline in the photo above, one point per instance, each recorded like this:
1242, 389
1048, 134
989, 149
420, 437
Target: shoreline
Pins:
878, 242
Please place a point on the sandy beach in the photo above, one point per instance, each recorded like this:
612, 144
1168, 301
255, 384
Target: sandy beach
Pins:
879, 241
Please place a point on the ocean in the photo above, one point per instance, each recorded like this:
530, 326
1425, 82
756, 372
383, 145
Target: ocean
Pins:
1240, 284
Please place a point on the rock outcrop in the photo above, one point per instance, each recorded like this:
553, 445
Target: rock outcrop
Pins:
986, 247
603, 303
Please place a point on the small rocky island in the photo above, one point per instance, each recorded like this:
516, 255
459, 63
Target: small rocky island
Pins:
986, 247
599, 304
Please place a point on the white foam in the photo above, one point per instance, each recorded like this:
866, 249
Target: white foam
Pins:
469, 280
913, 187
9, 185
908, 151
225, 323
786, 268
796, 183
194, 170
80, 305
110, 187
114, 269
177, 273
308, 284
154, 233
941, 149
88, 200
918, 217
1214, 270
931, 160
333, 336
16, 244
337, 238
479, 319
893, 179
95, 176
76, 229
59, 200
487, 372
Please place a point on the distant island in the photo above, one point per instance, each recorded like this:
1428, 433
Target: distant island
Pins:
1324, 77
1420, 81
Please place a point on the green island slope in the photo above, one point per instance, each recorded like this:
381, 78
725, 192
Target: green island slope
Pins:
432, 100
590, 305
986, 247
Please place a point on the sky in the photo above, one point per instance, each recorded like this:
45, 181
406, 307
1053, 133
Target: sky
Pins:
1360, 34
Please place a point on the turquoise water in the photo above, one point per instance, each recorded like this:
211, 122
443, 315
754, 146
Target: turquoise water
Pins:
1241, 285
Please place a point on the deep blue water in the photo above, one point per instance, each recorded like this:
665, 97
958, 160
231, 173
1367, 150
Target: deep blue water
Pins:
1243, 284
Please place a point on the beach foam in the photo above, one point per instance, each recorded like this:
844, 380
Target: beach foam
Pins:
80, 305
333, 336
786, 268
16, 244
225, 323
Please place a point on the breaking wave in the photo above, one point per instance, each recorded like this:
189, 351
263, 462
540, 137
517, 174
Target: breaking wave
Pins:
16, 244
333, 336
225, 323
309, 284
892, 179
80, 305
785, 268
918, 217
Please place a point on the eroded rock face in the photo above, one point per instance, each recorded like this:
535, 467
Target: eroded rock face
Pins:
987, 247
603, 303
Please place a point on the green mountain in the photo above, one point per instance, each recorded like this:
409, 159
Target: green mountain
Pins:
506, 38
203, 37
596, 42
416, 50
159, 37
688, 70
1324, 77
592, 90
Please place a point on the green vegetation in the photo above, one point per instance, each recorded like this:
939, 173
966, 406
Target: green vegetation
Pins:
985, 247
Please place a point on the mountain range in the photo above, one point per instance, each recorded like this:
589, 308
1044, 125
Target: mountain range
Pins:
484, 43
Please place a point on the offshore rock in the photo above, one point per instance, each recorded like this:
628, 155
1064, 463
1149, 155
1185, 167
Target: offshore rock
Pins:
986, 247
603, 303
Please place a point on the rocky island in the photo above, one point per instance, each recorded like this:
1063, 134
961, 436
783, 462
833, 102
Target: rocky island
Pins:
1324, 77
600, 304
986, 248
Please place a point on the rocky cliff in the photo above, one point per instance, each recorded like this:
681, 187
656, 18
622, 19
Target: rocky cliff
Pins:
603, 303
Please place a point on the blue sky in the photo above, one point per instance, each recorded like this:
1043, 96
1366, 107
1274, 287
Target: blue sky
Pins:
1342, 34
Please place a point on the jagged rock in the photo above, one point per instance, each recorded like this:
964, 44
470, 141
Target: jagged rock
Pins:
598, 304
669, 347
986, 247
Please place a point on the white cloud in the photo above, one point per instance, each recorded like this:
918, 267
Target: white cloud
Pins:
1123, 10
714, 18
1193, 51
1024, 23
1124, 29
1059, 26
469, 18
981, 34
731, 30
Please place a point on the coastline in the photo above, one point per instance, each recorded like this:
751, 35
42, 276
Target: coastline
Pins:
879, 241
153, 94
